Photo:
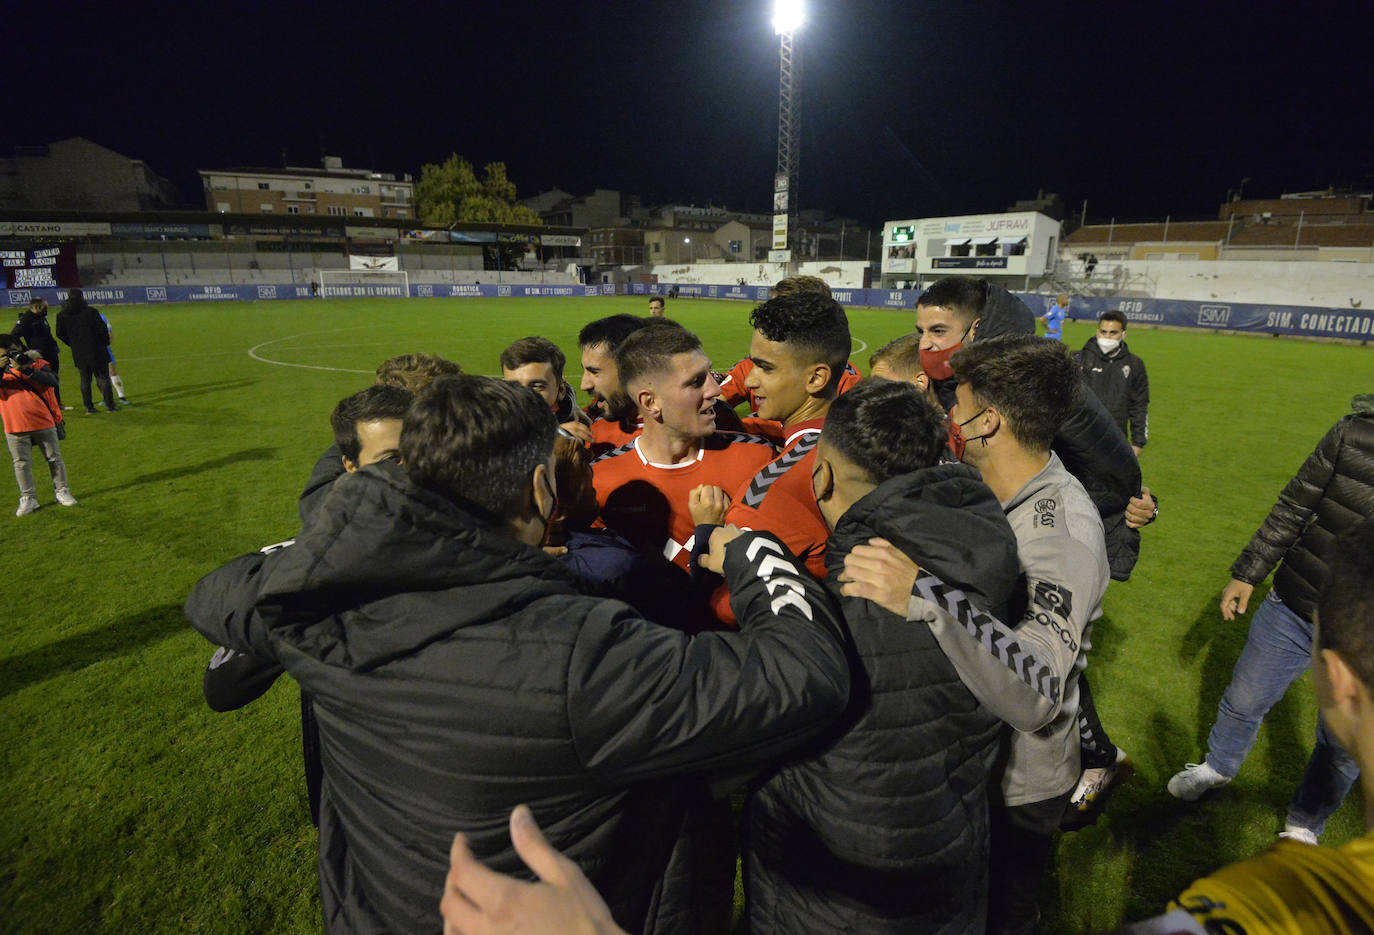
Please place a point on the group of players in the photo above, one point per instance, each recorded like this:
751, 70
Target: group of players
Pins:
500, 597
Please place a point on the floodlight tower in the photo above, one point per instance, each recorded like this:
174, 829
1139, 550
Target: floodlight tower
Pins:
787, 19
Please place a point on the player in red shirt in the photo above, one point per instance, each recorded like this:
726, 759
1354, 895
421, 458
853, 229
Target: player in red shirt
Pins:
798, 356
615, 421
644, 486
734, 385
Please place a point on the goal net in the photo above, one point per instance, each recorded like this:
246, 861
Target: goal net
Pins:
364, 283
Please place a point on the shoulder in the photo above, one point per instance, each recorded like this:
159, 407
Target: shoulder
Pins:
602, 460
721, 441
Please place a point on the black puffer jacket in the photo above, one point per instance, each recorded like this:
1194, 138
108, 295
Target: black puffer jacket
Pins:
1090, 444
81, 328
1332, 491
457, 672
881, 825
37, 335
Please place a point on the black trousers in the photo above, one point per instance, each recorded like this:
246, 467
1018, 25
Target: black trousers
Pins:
1022, 842
101, 373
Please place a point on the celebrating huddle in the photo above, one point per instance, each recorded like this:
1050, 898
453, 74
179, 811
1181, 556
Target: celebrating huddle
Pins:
619, 615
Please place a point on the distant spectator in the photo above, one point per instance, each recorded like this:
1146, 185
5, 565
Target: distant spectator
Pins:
81, 328
29, 410
115, 381
32, 327
1054, 318
1118, 378
657, 304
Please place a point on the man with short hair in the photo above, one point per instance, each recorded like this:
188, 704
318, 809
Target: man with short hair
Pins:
1011, 397
644, 486
657, 304
734, 385
538, 364
32, 327
900, 360
457, 670
882, 826
81, 328
614, 417
1118, 378
367, 425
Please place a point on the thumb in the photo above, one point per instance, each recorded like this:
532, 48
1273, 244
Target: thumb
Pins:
534, 849
1145, 492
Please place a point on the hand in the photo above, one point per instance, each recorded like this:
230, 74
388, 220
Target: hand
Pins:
578, 430
478, 901
1137, 449
881, 573
714, 560
1235, 598
707, 504
1142, 510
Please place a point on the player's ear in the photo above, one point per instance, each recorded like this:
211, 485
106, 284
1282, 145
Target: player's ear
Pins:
647, 401
922, 381
973, 330
993, 422
822, 479
819, 378
349, 466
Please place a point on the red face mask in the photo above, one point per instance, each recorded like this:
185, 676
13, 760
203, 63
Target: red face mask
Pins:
936, 363
957, 441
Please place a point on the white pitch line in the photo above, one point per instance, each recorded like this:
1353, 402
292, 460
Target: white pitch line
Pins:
253, 351
863, 345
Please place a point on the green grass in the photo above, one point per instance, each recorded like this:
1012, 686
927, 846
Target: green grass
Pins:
131, 807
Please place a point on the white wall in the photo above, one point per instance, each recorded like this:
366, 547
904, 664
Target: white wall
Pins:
1328, 285
840, 274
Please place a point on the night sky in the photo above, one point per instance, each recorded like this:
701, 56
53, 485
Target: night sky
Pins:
910, 108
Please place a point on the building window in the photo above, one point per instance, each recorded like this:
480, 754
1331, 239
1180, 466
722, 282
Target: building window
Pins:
222, 207
657, 245
262, 186
359, 213
293, 209
265, 208
403, 213
308, 184
336, 210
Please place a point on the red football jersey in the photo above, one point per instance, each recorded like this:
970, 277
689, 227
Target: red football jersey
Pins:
608, 435
647, 503
780, 499
734, 392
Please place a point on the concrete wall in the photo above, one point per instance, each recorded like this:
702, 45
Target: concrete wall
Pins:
1324, 284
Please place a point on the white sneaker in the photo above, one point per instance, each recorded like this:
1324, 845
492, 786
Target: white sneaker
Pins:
1195, 779
64, 497
1298, 833
26, 506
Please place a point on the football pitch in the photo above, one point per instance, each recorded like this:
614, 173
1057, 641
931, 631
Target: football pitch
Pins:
129, 806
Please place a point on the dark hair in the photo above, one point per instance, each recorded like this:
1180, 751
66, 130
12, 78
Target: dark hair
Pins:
1031, 381
963, 295
414, 372
1117, 317
659, 299
533, 350
902, 356
814, 324
648, 350
610, 331
886, 428
795, 284
1345, 611
12, 341
476, 440
75, 299
376, 402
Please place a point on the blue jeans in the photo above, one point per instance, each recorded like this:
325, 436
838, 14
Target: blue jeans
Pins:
1277, 651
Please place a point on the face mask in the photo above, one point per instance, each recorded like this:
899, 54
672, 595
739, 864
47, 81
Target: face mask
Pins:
957, 441
1107, 345
936, 363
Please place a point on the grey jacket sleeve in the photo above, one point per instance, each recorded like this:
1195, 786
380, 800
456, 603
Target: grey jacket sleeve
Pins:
1017, 672
644, 700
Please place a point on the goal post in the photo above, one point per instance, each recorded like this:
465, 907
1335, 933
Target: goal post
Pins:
364, 284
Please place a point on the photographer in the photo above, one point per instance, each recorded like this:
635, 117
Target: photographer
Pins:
31, 414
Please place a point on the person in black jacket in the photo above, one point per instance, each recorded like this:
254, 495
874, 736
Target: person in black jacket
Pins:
81, 328
457, 670
1117, 377
881, 823
32, 327
1332, 492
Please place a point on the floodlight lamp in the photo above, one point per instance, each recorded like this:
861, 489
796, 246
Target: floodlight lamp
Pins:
787, 16
686, 239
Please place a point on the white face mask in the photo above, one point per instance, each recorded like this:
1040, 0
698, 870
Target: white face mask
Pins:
1107, 345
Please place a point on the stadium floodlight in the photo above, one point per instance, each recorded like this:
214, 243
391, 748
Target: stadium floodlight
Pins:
787, 16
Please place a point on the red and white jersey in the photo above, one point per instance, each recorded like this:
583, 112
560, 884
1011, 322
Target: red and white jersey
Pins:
734, 392
608, 435
780, 499
647, 503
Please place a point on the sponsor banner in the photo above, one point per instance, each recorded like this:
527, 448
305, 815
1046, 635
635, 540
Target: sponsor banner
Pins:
369, 290
472, 236
354, 232
560, 240
779, 233
779, 256
889, 298
386, 264
265, 230
52, 229
1356, 324
426, 235
518, 238
200, 231
965, 262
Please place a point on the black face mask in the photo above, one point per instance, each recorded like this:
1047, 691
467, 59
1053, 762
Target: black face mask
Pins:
545, 520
